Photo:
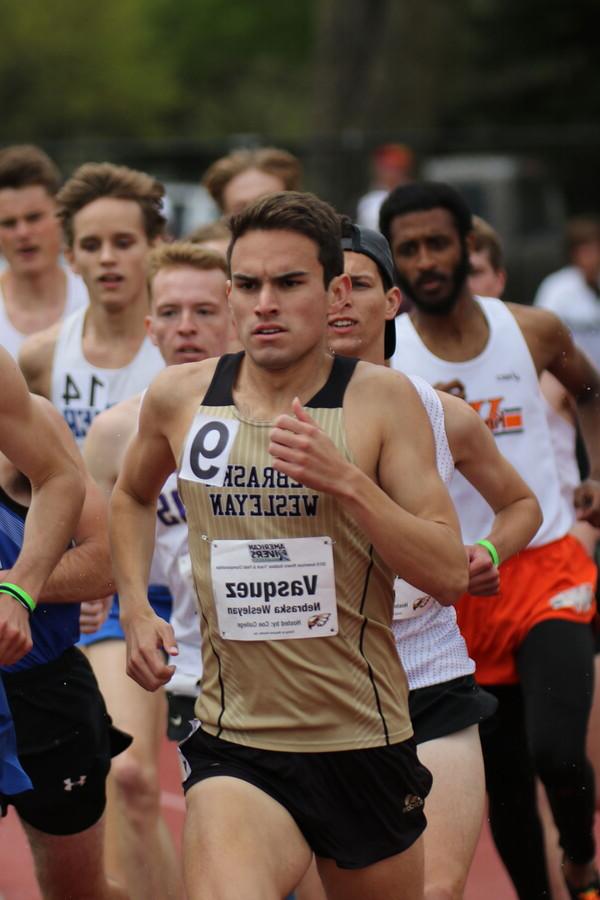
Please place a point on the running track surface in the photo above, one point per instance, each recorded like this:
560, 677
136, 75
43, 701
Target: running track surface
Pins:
487, 879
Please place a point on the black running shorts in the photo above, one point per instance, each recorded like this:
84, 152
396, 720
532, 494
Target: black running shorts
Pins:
65, 741
446, 708
356, 807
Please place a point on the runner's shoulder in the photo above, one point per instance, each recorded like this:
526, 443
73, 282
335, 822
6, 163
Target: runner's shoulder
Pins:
36, 356
536, 321
370, 376
176, 386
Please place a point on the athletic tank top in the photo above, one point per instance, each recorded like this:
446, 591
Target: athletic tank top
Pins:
502, 385
172, 560
296, 606
428, 639
12, 340
80, 390
54, 626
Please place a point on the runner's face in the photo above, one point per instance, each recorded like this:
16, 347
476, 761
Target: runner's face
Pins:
248, 186
484, 280
357, 327
431, 261
189, 319
110, 250
277, 296
30, 233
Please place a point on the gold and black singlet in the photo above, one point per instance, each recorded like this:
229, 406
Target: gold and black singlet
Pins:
295, 605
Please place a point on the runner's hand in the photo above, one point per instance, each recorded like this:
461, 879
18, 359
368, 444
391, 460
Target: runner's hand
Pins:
302, 450
94, 613
148, 639
15, 633
484, 577
587, 501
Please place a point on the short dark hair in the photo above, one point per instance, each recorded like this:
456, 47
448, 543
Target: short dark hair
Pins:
25, 165
294, 211
272, 160
95, 180
423, 196
487, 240
582, 230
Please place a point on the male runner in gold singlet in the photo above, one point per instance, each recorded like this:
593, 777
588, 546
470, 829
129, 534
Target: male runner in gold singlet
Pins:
291, 471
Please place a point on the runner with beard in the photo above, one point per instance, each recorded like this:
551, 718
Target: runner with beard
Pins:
446, 704
532, 642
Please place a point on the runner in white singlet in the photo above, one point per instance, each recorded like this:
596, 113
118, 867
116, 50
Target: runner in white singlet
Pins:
35, 288
445, 702
532, 643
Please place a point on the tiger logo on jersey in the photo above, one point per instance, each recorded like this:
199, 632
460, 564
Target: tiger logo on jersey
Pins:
500, 420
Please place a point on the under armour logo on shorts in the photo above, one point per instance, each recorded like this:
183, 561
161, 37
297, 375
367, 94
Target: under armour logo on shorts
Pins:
69, 785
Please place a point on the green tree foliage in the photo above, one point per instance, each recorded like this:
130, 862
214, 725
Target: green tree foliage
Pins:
143, 68
240, 67
69, 68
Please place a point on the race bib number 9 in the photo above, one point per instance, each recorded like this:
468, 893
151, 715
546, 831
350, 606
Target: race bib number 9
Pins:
207, 449
274, 590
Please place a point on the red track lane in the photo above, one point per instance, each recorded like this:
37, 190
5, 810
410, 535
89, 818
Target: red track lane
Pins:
487, 879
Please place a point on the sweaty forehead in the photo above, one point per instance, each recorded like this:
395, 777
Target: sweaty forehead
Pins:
415, 225
263, 253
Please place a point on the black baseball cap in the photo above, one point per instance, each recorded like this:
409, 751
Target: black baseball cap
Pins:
373, 244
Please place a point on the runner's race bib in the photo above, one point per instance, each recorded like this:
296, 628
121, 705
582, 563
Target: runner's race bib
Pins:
271, 590
409, 602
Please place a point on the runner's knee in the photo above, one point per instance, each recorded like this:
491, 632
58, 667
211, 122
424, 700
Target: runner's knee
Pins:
136, 782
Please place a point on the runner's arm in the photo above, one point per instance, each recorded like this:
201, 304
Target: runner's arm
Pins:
517, 512
553, 348
31, 443
147, 464
409, 520
105, 444
476, 456
84, 570
35, 360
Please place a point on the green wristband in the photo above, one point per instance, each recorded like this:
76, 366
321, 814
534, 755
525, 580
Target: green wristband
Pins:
484, 543
18, 594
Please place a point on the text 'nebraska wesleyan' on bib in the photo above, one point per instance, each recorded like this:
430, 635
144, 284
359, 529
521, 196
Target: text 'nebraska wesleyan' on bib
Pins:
270, 590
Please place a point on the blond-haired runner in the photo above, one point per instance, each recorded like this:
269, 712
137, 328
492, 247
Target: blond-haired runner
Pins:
112, 217
289, 469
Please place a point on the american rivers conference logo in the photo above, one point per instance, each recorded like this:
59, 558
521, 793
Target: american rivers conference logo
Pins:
268, 553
